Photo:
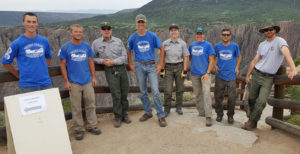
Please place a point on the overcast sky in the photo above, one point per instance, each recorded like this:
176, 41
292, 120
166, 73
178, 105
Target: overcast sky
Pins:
52, 5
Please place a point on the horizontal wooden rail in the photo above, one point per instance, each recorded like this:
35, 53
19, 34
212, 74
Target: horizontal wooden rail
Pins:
275, 123
285, 104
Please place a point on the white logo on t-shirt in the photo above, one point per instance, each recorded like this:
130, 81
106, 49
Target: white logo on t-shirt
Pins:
226, 54
197, 50
143, 46
34, 50
78, 55
8, 52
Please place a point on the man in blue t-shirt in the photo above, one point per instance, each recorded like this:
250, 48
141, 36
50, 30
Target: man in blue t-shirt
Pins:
78, 71
202, 58
144, 42
33, 55
226, 67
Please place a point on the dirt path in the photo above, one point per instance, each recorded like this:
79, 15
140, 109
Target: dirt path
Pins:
184, 134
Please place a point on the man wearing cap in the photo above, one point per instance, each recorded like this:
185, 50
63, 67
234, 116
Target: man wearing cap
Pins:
78, 71
202, 58
270, 54
175, 69
110, 52
144, 42
227, 68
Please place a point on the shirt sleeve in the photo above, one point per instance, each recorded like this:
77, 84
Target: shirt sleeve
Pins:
210, 50
185, 50
130, 44
237, 50
97, 58
157, 42
48, 53
10, 54
122, 59
216, 50
282, 43
62, 53
90, 52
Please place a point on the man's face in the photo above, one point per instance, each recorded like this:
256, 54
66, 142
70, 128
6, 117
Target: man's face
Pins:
174, 33
76, 33
106, 31
226, 36
141, 25
269, 32
200, 37
30, 23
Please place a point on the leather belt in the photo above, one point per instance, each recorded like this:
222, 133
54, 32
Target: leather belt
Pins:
146, 63
173, 64
263, 73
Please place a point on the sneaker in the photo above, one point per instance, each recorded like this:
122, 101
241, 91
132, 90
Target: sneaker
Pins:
146, 117
117, 123
126, 120
162, 122
208, 121
230, 120
219, 118
94, 131
79, 135
179, 111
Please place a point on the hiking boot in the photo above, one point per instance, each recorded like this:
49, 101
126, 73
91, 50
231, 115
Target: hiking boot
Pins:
208, 121
219, 118
117, 123
167, 113
249, 125
230, 120
94, 131
146, 117
162, 122
79, 135
126, 120
179, 111
201, 115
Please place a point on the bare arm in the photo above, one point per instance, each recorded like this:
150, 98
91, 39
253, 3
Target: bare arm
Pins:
162, 58
92, 69
238, 61
251, 67
210, 65
288, 58
48, 61
12, 70
185, 60
216, 66
65, 74
130, 61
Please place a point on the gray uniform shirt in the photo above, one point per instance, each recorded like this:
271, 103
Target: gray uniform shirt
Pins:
114, 50
270, 54
175, 51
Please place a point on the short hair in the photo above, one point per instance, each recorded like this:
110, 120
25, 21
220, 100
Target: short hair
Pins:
30, 14
75, 25
226, 29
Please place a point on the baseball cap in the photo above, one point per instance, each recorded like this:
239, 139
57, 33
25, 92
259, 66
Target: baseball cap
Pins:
173, 26
200, 30
140, 17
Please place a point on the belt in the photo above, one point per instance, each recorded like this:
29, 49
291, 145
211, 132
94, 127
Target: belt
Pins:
146, 63
263, 73
174, 63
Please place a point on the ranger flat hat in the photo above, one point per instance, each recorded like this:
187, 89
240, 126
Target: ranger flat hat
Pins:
105, 24
173, 26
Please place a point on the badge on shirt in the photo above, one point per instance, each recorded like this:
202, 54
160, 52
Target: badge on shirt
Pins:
272, 48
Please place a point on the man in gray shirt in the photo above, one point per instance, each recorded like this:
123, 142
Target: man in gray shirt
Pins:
175, 69
265, 64
110, 52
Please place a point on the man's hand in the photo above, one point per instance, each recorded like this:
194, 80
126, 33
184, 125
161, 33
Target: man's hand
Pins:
216, 69
237, 71
183, 74
158, 68
132, 68
205, 77
94, 82
108, 62
68, 86
292, 74
247, 78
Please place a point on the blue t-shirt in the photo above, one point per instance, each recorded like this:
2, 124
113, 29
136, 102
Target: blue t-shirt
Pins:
31, 54
200, 53
227, 60
77, 62
144, 46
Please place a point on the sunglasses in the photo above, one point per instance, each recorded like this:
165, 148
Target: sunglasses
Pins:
226, 34
106, 28
268, 29
141, 21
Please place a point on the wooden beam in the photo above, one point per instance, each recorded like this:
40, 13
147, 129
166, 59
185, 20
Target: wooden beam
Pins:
275, 123
286, 104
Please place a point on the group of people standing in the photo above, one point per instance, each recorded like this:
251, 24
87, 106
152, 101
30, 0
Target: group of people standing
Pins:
77, 59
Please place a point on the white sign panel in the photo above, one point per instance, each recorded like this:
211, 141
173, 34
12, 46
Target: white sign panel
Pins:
32, 104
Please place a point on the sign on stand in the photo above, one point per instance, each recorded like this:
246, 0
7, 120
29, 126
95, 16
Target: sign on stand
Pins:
35, 123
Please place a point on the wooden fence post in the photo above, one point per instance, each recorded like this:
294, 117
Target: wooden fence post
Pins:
280, 94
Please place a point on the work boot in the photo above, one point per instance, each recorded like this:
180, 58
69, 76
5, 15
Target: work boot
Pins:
94, 131
230, 120
146, 117
219, 118
126, 120
179, 110
162, 122
249, 125
79, 135
117, 123
208, 121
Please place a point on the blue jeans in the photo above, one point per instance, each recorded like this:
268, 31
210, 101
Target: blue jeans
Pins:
144, 73
37, 88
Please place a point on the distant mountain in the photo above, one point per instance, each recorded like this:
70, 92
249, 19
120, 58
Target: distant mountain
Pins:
14, 18
88, 11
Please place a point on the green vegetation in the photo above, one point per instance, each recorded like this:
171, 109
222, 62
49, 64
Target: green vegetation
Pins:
2, 118
293, 93
297, 61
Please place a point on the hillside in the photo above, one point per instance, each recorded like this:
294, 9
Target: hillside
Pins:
14, 18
